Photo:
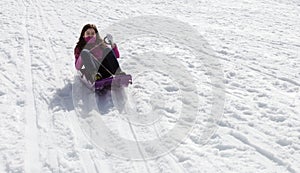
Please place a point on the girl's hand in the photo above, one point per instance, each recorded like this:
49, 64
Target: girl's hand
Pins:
110, 39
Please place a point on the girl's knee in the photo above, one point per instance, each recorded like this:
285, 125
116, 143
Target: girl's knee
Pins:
85, 52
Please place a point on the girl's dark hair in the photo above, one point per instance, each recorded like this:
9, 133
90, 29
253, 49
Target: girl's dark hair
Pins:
81, 42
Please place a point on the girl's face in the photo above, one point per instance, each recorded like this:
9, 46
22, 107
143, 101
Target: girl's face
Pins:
90, 33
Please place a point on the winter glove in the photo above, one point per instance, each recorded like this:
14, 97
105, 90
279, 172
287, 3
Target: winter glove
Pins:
109, 39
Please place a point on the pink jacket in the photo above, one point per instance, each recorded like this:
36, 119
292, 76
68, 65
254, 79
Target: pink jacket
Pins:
97, 52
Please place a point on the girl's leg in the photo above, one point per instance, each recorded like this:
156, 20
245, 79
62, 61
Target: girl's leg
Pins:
90, 63
109, 63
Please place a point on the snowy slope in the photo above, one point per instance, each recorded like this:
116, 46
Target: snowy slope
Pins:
51, 123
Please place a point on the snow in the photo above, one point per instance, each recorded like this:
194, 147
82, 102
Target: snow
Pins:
215, 87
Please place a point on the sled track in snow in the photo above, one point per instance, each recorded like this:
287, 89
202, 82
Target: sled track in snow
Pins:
31, 128
143, 164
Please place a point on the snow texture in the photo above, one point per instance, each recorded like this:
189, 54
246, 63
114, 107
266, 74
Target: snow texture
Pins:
50, 122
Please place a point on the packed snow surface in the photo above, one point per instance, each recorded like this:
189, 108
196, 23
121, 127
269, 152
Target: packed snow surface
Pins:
51, 122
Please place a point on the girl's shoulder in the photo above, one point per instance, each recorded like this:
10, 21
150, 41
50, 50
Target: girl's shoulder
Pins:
77, 49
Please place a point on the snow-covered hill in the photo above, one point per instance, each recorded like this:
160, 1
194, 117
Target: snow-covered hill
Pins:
216, 87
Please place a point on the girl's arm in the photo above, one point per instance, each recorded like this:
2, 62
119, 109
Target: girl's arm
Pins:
116, 50
78, 61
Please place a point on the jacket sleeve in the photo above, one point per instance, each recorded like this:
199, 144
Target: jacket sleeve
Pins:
116, 51
78, 61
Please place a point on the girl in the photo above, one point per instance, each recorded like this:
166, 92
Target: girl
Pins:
98, 59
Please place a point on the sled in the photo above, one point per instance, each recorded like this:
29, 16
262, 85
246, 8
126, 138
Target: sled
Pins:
114, 81
107, 83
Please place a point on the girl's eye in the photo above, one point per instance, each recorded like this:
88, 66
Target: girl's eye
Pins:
90, 33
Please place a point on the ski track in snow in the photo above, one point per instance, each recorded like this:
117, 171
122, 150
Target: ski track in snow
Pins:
257, 43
